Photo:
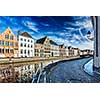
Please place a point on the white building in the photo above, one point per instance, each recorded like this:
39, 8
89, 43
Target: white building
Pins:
76, 52
26, 45
67, 53
54, 49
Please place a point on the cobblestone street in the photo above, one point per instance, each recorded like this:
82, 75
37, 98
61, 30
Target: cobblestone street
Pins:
70, 72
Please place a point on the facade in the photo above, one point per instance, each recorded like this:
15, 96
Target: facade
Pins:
70, 51
92, 52
86, 52
76, 52
62, 50
39, 50
67, 53
8, 44
26, 45
54, 49
46, 45
81, 52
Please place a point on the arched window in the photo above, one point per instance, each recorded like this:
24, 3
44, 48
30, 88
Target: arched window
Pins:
21, 51
21, 44
28, 52
28, 45
25, 45
24, 51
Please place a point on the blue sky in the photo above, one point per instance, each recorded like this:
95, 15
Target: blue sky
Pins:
70, 30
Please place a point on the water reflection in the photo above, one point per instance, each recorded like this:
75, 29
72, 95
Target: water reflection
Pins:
20, 73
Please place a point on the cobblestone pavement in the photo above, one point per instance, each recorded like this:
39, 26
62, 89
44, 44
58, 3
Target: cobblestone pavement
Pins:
70, 72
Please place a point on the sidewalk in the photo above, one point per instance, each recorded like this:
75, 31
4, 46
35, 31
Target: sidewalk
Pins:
88, 68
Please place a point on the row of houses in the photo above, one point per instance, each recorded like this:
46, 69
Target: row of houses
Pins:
25, 46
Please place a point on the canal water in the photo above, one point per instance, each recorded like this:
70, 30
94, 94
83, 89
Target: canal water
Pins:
20, 72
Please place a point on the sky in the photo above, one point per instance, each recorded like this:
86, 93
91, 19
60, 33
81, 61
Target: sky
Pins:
67, 30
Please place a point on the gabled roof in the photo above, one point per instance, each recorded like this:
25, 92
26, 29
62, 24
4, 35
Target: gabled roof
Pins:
70, 47
61, 45
8, 30
25, 34
42, 40
52, 42
88, 32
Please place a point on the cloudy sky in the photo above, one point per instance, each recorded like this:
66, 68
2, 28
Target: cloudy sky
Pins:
70, 30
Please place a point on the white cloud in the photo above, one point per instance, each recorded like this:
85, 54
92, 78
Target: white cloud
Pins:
84, 24
62, 34
31, 25
86, 45
45, 24
76, 36
81, 23
60, 40
72, 41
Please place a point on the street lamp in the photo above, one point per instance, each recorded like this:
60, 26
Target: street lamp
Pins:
90, 36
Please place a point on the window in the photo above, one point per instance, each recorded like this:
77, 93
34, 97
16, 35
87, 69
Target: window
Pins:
2, 42
25, 40
21, 44
28, 52
31, 46
7, 43
11, 44
0, 50
28, 40
11, 51
28, 45
6, 36
31, 41
25, 45
21, 39
16, 44
24, 51
11, 37
7, 50
21, 51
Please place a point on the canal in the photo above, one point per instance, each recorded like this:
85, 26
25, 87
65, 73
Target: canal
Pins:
70, 72
21, 72
63, 72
